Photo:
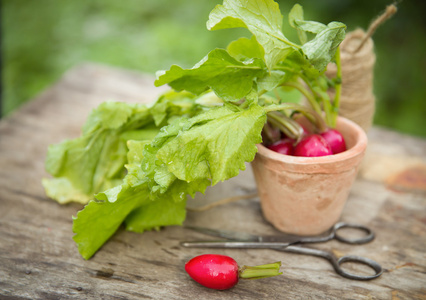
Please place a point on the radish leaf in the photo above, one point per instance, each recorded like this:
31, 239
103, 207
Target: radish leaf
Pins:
214, 145
244, 48
164, 212
228, 78
95, 161
262, 18
322, 48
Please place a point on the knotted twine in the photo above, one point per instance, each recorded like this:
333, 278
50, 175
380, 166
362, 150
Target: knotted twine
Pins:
357, 100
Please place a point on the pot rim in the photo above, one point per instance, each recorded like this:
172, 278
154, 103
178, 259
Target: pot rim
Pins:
354, 151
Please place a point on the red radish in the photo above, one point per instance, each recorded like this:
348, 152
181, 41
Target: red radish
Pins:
335, 140
312, 146
221, 272
284, 146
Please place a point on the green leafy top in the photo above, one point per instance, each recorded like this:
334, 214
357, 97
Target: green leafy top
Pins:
268, 59
214, 145
262, 18
141, 162
229, 78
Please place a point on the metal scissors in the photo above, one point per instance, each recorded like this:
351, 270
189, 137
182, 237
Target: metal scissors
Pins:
287, 243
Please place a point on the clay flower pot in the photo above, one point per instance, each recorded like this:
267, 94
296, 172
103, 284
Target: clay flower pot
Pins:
306, 195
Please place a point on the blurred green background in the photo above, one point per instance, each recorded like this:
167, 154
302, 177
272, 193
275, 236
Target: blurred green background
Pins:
44, 38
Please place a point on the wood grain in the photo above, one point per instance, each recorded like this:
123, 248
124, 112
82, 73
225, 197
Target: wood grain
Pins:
39, 260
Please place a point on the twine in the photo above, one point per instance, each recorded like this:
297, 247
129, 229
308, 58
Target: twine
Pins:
357, 100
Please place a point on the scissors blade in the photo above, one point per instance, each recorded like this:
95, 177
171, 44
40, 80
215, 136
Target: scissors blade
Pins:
235, 244
270, 241
230, 235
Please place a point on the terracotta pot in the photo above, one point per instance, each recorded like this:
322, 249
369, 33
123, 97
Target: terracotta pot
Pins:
306, 195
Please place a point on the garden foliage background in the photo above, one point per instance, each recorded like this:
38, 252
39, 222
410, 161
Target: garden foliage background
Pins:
44, 38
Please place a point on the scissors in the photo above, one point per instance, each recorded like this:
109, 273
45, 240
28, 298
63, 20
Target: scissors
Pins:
287, 243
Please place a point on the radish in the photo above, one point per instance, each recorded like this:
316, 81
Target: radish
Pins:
312, 146
284, 146
221, 272
335, 140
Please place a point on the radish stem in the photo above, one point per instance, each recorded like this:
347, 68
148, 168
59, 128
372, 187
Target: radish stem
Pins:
337, 87
310, 114
306, 93
262, 271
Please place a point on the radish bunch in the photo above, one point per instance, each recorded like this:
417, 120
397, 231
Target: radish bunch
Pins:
301, 132
328, 142
222, 272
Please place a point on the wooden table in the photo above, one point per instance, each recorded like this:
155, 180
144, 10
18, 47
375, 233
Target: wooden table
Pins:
39, 260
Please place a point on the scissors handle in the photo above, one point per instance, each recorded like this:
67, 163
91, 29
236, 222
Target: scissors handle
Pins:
336, 263
338, 235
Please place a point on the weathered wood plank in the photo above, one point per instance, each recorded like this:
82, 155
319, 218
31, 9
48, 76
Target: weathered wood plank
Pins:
39, 260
